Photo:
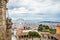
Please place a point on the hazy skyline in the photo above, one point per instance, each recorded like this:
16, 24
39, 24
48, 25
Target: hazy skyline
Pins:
34, 10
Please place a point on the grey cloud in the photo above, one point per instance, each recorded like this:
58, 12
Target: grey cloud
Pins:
49, 7
40, 0
56, 0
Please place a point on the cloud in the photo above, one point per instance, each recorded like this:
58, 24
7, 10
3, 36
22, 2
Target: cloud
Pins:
35, 6
18, 10
34, 9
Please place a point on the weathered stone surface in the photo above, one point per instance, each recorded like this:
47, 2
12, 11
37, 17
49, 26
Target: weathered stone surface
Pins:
8, 28
5, 33
2, 20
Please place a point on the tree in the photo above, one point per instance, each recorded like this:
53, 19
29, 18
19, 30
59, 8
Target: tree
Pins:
53, 31
40, 28
33, 34
43, 27
46, 27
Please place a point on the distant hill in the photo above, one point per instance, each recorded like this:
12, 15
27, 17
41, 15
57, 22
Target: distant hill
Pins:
49, 22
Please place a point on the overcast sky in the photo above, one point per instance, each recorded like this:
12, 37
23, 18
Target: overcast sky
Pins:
34, 10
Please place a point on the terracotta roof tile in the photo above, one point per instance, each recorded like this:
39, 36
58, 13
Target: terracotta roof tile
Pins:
57, 36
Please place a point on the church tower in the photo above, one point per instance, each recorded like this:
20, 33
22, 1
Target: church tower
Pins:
3, 19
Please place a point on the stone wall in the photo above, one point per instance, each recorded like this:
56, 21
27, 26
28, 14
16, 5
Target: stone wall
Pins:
2, 19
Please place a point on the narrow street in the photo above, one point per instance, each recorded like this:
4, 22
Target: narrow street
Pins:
13, 37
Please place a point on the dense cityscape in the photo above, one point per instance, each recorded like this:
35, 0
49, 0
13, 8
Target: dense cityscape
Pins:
27, 26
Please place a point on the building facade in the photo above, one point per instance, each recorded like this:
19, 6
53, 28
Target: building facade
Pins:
58, 29
3, 19
57, 35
